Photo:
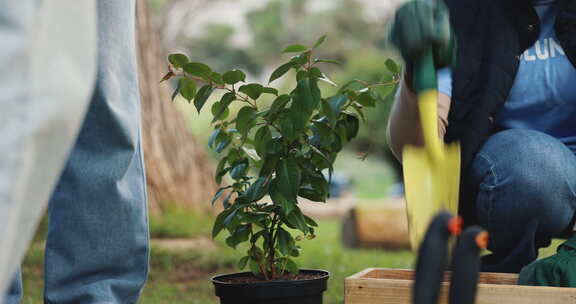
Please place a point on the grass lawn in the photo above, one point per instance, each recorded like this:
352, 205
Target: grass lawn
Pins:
183, 277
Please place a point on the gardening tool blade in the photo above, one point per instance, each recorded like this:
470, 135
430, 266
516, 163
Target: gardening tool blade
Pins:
432, 172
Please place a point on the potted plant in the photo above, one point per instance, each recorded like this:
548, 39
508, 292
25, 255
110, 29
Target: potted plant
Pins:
275, 153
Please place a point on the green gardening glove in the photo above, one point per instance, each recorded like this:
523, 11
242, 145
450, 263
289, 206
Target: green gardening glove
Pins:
420, 26
556, 270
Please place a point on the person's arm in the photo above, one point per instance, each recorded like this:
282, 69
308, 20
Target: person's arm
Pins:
404, 123
420, 27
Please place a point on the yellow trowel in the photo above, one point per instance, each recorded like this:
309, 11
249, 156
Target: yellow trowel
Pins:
432, 172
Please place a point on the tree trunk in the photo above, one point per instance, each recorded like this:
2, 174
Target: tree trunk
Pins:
177, 169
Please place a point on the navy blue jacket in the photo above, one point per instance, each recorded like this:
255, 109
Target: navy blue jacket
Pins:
491, 35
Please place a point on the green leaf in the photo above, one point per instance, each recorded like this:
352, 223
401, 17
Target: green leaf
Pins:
337, 103
285, 241
256, 217
278, 104
322, 134
332, 107
280, 71
319, 41
198, 69
359, 111
258, 189
226, 201
392, 66
268, 90
239, 171
187, 88
251, 153
219, 111
384, 90
202, 96
216, 78
288, 175
310, 221
311, 194
291, 266
234, 76
177, 60
352, 126
253, 90
326, 110
176, 91
242, 263
222, 142
254, 267
220, 170
279, 199
213, 137
303, 104
294, 48
245, 119
316, 94
366, 99
268, 165
230, 219
241, 234
287, 128
219, 222
320, 153
328, 61
275, 146
261, 139
349, 84
301, 59
315, 72
296, 219
222, 109
219, 194
295, 252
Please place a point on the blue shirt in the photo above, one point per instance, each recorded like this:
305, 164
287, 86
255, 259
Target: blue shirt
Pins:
543, 96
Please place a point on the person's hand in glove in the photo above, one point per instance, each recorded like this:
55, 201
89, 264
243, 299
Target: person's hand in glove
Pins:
421, 26
556, 270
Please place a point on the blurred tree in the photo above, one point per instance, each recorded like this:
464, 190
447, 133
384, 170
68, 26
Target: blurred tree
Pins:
267, 28
178, 172
353, 39
214, 48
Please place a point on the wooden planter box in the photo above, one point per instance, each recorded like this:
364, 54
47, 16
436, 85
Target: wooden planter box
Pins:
393, 286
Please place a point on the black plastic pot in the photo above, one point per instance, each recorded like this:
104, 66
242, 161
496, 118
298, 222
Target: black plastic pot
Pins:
274, 292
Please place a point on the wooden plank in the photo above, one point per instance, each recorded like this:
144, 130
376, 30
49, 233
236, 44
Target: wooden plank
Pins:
407, 274
384, 226
393, 286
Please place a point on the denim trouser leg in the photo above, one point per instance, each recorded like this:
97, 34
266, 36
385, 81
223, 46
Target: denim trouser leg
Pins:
14, 294
526, 195
97, 246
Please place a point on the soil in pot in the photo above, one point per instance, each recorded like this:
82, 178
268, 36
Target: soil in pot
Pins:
243, 288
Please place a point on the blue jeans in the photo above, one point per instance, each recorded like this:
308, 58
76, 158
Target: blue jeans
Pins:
527, 183
97, 245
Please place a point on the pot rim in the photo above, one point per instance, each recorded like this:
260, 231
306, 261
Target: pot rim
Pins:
216, 279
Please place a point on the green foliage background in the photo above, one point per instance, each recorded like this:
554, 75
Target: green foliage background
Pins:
354, 40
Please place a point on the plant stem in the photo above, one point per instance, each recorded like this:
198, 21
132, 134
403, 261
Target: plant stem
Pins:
271, 248
379, 84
